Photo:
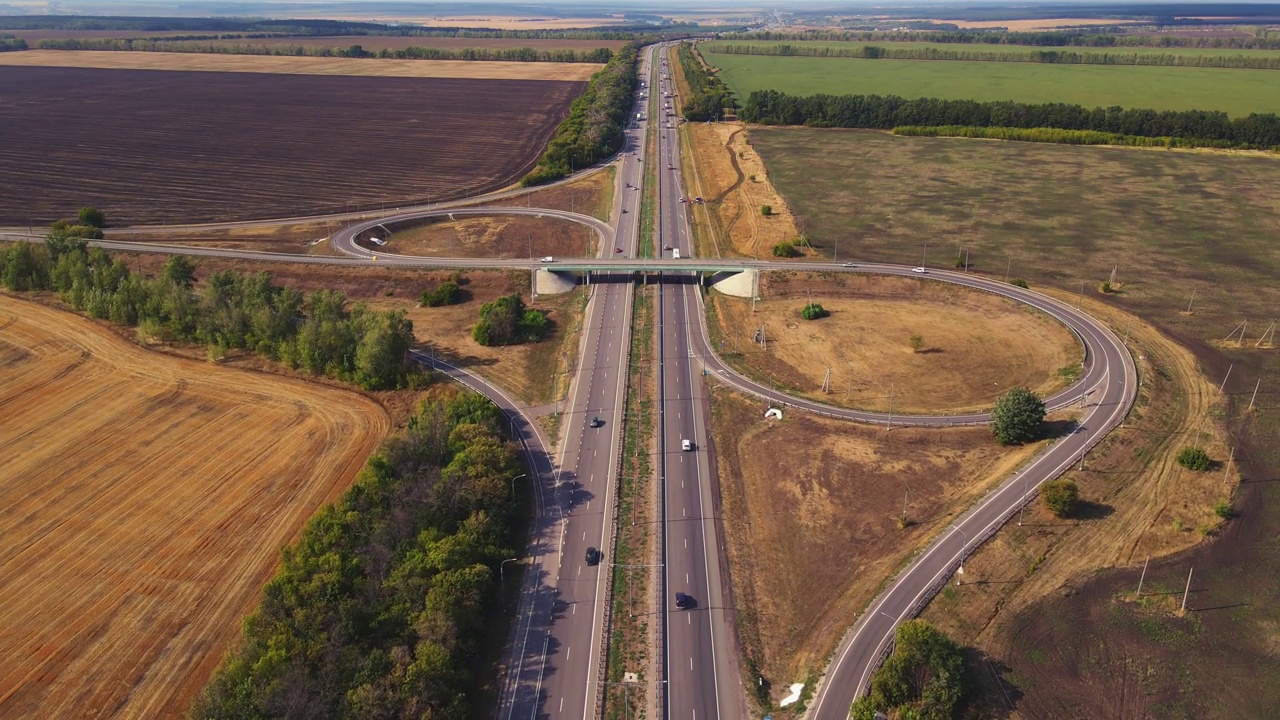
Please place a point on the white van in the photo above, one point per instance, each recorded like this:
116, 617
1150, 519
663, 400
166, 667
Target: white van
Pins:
675, 255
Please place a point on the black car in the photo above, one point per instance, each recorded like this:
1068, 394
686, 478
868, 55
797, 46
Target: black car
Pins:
684, 601
593, 556
597, 422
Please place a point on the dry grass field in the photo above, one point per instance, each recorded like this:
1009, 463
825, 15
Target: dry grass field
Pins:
975, 345
498, 236
374, 43
281, 65
153, 147
813, 534
146, 499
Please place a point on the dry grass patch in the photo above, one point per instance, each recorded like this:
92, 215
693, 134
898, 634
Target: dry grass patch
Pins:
590, 194
1139, 502
727, 172
199, 62
812, 508
498, 236
147, 498
973, 345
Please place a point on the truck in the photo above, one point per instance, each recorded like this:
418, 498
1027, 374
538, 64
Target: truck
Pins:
639, 116
675, 254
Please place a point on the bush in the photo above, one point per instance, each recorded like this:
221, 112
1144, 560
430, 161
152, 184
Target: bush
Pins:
1019, 282
92, 217
1194, 458
1224, 510
785, 250
63, 230
1017, 417
506, 321
924, 677
917, 343
1106, 286
448, 293
814, 311
766, 210
1060, 497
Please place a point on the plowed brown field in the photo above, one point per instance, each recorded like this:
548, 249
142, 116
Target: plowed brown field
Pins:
149, 147
145, 502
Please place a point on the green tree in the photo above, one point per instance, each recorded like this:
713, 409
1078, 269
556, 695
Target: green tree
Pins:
92, 217
766, 210
1017, 417
1060, 497
506, 321
447, 293
25, 266
180, 271
382, 350
1195, 458
785, 250
924, 678
814, 311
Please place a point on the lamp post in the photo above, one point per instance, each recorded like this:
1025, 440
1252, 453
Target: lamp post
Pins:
502, 579
513, 483
966, 545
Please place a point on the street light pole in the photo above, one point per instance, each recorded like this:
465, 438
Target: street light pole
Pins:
966, 546
513, 483
502, 580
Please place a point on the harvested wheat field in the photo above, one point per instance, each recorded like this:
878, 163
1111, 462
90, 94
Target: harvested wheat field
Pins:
146, 500
973, 346
284, 65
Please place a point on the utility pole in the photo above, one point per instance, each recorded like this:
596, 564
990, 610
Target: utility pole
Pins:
1023, 513
1080, 295
1007, 266
1127, 325
826, 382
904, 506
1112, 281
924, 257
966, 259
1142, 577
1222, 388
1187, 591
1193, 299
890, 403
1255, 394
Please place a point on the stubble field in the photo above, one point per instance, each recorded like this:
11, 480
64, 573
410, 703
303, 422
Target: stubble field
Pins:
147, 498
153, 147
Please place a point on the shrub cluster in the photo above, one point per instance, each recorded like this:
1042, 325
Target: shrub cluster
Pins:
1056, 135
10, 42
814, 311
506, 321
380, 608
446, 293
786, 250
594, 128
710, 96
924, 678
770, 107
319, 333
1060, 496
1194, 458
1017, 417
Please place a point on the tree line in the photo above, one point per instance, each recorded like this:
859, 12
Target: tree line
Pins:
595, 126
1049, 38
710, 96
1061, 57
597, 55
770, 107
318, 333
380, 608
1055, 135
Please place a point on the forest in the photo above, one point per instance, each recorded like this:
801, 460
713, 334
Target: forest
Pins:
1045, 38
380, 607
770, 107
318, 333
710, 95
597, 55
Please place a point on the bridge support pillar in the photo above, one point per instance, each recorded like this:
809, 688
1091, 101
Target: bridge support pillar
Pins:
548, 282
739, 284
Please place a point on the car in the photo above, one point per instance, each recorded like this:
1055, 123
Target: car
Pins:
624, 210
666, 247
684, 600
918, 270
698, 200
686, 445
596, 422
848, 265
684, 200
617, 250
593, 556
671, 167
548, 259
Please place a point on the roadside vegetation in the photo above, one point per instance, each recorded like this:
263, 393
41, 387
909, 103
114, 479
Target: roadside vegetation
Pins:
594, 129
1017, 417
355, 50
506, 321
923, 679
1085, 40
379, 608
318, 333
708, 96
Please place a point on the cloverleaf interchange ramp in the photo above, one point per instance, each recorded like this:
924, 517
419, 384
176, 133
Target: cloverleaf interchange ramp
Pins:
553, 666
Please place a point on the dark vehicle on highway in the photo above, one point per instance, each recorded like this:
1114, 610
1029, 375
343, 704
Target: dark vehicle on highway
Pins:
597, 422
593, 556
685, 601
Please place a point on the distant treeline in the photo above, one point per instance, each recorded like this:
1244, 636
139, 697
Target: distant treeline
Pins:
1065, 57
9, 42
1050, 38
710, 95
211, 27
382, 606
770, 107
595, 126
598, 55
318, 333
1056, 135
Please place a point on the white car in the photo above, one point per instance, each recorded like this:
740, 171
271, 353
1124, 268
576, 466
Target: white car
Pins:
686, 445
548, 259
848, 265
918, 270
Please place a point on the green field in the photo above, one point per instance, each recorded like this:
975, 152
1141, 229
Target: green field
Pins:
1236, 92
1027, 50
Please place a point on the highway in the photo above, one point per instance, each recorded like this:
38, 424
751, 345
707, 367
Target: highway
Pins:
556, 653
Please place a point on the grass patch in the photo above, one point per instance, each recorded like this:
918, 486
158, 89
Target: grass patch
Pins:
1233, 91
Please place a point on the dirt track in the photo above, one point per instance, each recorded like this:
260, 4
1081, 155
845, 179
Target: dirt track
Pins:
146, 499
